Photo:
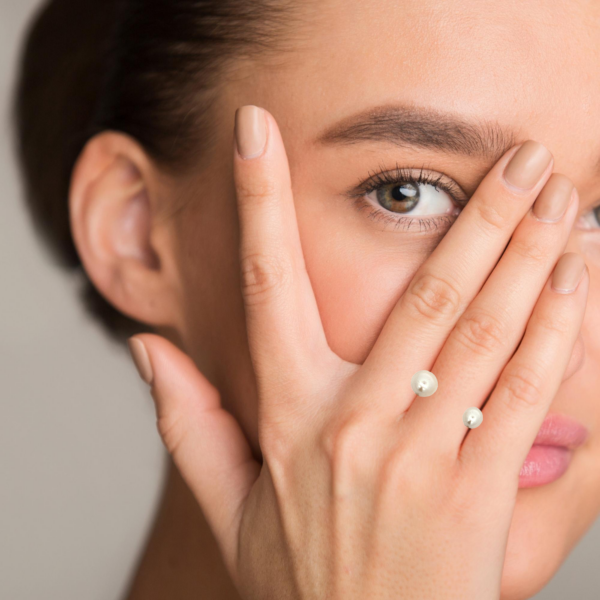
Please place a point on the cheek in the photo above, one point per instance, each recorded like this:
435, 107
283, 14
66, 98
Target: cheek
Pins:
588, 245
356, 285
358, 272
547, 523
535, 546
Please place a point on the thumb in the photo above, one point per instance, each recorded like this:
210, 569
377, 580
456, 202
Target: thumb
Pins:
206, 442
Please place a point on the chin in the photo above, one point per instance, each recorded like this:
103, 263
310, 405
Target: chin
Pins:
539, 539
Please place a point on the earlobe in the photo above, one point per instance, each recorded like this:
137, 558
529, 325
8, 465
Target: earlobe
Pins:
114, 230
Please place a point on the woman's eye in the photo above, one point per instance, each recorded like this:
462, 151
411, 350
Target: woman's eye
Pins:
590, 219
415, 199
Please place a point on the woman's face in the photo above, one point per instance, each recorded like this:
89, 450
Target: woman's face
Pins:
532, 68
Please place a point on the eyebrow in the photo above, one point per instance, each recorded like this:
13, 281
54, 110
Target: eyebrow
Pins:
423, 128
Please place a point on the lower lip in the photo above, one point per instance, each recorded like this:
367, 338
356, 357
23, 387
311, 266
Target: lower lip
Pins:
544, 464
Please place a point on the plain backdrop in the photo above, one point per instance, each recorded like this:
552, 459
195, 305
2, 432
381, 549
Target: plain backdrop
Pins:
81, 463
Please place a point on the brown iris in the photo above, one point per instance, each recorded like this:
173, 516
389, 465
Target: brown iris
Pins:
399, 198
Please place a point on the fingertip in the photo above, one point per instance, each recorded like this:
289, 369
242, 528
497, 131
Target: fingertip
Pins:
154, 354
141, 359
251, 131
176, 375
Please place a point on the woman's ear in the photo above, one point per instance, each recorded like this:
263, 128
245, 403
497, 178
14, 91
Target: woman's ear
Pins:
123, 246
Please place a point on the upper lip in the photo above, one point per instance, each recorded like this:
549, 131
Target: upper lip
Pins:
560, 430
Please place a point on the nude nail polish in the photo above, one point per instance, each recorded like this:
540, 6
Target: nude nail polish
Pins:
568, 273
141, 359
551, 204
527, 165
250, 131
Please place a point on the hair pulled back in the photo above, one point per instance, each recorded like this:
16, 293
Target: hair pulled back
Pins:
149, 68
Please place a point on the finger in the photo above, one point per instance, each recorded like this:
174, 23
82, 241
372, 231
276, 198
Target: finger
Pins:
518, 405
577, 358
285, 334
453, 274
206, 442
489, 331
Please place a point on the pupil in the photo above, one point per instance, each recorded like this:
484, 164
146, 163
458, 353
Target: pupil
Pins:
401, 198
404, 192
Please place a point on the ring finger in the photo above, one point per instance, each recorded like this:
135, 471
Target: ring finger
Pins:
490, 329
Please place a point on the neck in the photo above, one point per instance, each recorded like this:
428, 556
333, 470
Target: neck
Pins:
181, 559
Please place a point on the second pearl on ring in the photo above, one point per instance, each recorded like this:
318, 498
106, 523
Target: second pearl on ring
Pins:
472, 417
424, 383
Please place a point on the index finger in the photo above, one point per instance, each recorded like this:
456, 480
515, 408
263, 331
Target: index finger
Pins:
285, 334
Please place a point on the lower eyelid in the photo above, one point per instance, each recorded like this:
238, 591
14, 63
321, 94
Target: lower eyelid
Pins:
404, 222
581, 220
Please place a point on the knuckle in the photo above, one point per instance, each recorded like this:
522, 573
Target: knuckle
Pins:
336, 440
262, 276
553, 322
407, 468
491, 215
522, 386
276, 447
432, 297
530, 250
287, 429
172, 431
256, 192
343, 444
479, 331
397, 468
281, 455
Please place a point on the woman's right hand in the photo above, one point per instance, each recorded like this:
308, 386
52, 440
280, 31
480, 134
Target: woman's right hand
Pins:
367, 490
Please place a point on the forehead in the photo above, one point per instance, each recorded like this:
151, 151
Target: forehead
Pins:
532, 65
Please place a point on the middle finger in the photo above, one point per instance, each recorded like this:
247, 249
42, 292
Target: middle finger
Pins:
446, 283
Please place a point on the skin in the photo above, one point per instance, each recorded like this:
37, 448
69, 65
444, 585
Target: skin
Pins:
165, 250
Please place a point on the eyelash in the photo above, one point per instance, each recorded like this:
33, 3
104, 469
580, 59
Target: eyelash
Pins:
385, 177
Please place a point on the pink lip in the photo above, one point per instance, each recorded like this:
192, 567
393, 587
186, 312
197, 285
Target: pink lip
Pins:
560, 430
552, 450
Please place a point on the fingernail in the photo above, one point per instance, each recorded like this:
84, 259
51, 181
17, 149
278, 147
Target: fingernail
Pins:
141, 359
250, 131
568, 273
527, 165
551, 204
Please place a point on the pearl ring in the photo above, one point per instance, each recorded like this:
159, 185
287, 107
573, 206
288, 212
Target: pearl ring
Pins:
424, 383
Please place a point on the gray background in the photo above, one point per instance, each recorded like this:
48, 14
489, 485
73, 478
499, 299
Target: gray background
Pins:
81, 463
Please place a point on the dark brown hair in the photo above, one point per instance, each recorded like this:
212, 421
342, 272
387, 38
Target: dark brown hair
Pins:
148, 68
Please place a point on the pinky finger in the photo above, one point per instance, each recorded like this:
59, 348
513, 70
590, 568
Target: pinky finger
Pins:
206, 443
525, 389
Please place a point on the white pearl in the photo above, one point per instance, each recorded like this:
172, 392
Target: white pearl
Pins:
472, 417
424, 383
